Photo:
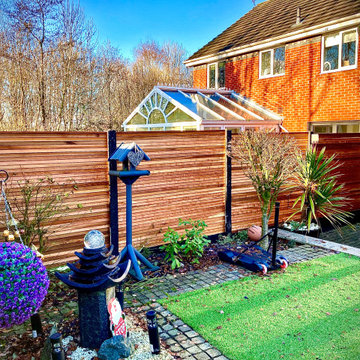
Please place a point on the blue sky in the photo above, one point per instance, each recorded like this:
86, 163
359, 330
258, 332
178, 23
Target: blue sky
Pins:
191, 23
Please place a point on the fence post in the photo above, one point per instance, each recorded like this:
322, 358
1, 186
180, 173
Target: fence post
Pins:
114, 206
228, 186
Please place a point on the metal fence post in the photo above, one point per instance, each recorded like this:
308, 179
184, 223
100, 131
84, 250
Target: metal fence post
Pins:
228, 225
114, 206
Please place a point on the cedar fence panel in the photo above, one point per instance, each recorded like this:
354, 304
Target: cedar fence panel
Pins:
186, 181
346, 147
79, 156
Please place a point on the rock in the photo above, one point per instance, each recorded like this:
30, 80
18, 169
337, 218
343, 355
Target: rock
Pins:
114, 348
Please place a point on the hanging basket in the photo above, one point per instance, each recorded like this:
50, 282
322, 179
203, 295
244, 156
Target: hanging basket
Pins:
23, 283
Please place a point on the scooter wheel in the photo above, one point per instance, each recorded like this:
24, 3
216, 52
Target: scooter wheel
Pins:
264, 269
284, 264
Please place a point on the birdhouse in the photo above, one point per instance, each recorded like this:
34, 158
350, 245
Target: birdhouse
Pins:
130, 155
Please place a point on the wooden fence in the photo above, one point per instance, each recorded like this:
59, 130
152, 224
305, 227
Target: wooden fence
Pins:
188, 180
346, 147
65, 157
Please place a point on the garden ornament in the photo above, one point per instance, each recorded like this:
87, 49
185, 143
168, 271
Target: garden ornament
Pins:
117, 318
94, 275
23, 277
130, 155
254, 233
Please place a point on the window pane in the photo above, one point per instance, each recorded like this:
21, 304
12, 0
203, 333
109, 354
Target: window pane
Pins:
221, 79
212, 76
156, 117
265, 63
137, 119
350, 128
321, 129
279, 60
331, 58
348, 48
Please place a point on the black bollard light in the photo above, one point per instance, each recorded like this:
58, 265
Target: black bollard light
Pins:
153, 332
57, 350
36, 326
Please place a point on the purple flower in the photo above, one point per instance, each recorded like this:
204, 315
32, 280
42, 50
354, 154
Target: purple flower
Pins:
23, 283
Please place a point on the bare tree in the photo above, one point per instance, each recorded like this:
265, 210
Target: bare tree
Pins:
268, 160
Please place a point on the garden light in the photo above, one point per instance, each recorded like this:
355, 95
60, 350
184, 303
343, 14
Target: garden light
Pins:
94, 239
57, 350
153, 332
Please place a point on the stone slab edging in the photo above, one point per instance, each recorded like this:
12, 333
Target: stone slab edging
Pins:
329, 245
180, 337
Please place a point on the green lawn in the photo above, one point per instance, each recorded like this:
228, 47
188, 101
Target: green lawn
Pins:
311, 311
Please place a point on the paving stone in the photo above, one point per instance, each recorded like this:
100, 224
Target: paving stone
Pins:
167, 327
180, 337
164, 336
202, 356
198, 340
173, 332
185, 355
222, 357
205, 346
213, 352
194, 350
186, 344
184, 328
191, 334
178, 323
170, 341
176, 348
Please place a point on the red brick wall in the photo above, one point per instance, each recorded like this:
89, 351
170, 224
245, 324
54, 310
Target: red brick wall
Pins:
302, 94
200, 77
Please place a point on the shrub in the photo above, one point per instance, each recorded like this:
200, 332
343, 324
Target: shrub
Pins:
186, 247
321, 194
36, 204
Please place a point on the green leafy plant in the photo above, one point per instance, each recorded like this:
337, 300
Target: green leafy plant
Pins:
185, 247
320, 195
37, 204
238, 238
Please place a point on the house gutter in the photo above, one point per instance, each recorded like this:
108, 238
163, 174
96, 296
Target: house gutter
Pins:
271, 42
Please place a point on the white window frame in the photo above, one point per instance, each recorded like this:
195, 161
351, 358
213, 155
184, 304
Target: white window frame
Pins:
271, 63
216, 74
340, 68
333, 124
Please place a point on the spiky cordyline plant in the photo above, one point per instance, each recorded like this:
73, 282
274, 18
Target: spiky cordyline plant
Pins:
320, 195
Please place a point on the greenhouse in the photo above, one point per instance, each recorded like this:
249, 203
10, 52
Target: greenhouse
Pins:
173, 108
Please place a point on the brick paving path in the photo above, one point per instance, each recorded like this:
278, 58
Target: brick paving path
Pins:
349, 236
182, 339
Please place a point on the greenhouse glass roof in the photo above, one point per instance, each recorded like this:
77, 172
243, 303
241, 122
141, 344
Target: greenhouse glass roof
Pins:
174, 108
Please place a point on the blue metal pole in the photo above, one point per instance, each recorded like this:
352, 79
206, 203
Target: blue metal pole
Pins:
128, 214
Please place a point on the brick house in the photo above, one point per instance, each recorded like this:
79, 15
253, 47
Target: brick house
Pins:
297, 58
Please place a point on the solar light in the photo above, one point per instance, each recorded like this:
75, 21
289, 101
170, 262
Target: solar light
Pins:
153, 332
57, 352
94, 239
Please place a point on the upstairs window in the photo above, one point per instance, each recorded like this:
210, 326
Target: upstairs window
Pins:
340, 51
216, 75
272, 62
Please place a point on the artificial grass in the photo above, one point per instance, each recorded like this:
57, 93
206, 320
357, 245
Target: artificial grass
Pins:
310, 311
